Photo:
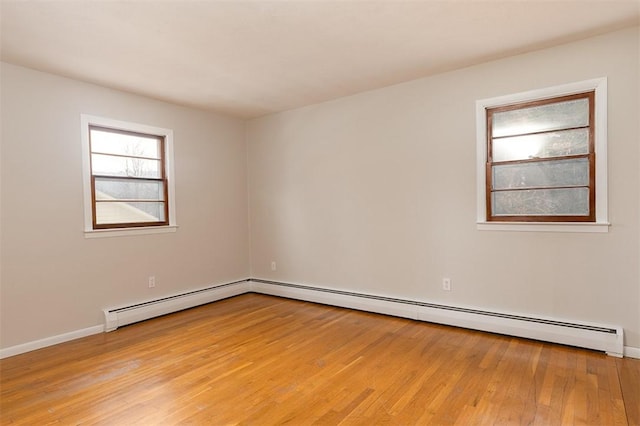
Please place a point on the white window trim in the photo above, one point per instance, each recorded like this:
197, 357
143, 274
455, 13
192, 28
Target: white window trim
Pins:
602, 220
89, 120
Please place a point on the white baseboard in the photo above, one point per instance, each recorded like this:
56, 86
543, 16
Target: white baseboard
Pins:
631, 352
342, 299
178, 302
545, 329
50, 341
606, 338
117, 317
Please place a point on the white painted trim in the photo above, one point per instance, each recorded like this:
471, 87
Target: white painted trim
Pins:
371, 303
85, 121
495, 322
611, 344
105, 233
317, 295
544, 227
118, 316
218, 292
602, 217
631, 352
50, 341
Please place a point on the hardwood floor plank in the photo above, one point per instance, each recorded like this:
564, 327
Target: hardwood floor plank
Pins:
256, 359
629, 379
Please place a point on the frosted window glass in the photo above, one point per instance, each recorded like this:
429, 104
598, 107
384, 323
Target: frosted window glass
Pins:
541, 202
574, 172
555, 116
545, 145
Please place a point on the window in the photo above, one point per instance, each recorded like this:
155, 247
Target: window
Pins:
128, 178
543, 158
541, 162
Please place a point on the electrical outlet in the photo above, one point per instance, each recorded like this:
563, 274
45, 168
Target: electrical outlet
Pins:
446, 284
152, 281
273, 265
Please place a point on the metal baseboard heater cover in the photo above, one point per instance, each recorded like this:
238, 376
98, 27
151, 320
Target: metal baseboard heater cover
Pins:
609, 339
118, 317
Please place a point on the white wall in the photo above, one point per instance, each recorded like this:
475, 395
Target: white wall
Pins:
53, 280
372, 193
376, 193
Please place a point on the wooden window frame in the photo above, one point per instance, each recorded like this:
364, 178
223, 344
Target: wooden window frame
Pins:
162, 179
601, 224
590, 156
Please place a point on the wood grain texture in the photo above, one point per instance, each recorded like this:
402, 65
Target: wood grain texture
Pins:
261, 360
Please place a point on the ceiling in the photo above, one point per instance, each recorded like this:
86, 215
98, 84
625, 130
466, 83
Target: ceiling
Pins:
251, 58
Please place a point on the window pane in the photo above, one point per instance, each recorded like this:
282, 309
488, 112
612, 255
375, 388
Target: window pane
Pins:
545, 145
123, 166
128, 189
573, 172
541, 202
110, 142
119, 212
555, 116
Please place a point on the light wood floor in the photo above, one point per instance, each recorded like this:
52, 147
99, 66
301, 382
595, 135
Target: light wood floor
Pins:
261, 360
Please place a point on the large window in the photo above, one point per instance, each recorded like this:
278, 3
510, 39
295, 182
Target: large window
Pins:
128, 178
542, 159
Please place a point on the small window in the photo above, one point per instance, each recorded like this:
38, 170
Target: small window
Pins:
128, 178
541, 161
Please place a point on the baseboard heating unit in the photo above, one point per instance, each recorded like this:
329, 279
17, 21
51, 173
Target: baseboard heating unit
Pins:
599, 337
609, 339
118, 317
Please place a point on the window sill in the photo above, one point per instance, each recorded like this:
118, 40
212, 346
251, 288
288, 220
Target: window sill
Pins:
544, 227
126, 232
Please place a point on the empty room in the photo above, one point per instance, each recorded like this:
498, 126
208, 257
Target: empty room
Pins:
320, 212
